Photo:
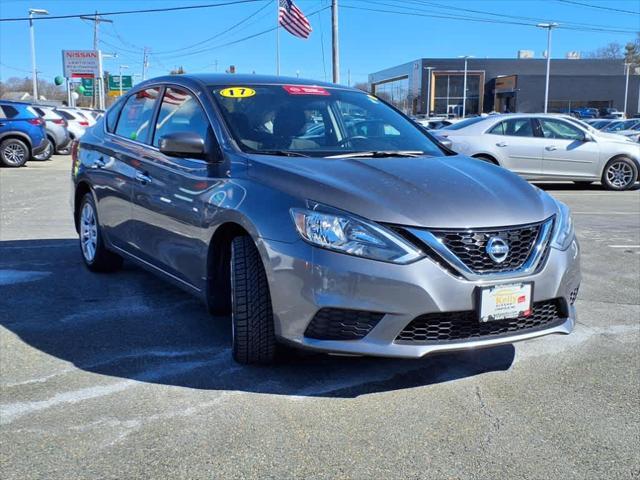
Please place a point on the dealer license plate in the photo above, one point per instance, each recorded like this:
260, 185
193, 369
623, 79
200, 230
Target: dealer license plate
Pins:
505, 301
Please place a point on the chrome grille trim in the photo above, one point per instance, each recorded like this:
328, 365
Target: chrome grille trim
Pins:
528, 268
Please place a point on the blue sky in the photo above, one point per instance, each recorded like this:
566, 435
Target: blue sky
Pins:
370, 41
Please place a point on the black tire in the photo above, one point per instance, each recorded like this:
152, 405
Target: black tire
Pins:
253, 337
620, 173
14, 153
46, 155
102, 260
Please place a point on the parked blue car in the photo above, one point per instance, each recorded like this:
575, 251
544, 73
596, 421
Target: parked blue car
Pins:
22, 133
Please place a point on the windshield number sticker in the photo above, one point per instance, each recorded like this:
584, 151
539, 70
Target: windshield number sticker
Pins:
237, 92
304, 90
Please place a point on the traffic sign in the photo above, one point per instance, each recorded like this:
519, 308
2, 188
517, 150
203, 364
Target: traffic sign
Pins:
114, 83
87, 84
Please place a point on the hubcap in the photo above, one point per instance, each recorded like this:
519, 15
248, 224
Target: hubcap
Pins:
14, 154
88, 232
620, 174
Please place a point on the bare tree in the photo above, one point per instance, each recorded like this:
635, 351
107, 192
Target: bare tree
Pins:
362, 86
612, 51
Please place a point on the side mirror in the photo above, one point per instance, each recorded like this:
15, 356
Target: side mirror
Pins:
183, 144
588, 138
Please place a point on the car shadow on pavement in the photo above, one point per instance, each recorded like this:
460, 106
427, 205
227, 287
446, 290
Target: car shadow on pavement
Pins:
570, 186
133, 325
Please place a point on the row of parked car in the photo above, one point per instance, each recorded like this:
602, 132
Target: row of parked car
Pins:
33, 131
629, 128
551, 147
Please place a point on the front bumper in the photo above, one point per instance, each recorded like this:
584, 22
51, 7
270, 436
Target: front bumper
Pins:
303, 279
40, 148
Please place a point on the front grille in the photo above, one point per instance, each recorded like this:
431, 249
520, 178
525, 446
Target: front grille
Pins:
470, 246
573, 296
342, 324
461, 326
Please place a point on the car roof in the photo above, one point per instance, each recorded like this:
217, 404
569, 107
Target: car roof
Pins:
11, 102
209, 79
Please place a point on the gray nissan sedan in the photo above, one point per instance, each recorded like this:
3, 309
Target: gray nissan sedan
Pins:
320, 217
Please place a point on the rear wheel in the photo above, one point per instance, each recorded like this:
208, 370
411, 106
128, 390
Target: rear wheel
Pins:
253, 337
619, 174
94, 253
13, 153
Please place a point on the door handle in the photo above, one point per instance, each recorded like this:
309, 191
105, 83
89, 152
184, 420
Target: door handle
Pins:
143, 178
501, 144
551, 148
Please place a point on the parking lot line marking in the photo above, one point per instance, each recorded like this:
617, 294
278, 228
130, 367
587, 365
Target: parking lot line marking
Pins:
624, 246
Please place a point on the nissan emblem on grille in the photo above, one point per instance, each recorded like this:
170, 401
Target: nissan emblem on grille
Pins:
497, 249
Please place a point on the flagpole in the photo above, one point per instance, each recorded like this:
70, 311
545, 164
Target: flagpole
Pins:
278, 37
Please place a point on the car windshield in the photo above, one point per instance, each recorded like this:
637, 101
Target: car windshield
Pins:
317, 121
618, 126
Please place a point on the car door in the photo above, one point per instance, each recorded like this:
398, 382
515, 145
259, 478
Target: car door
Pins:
170, 194
518, 146
568, 151
113, 169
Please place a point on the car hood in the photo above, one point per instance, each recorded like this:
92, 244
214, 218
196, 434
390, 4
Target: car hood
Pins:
453, 192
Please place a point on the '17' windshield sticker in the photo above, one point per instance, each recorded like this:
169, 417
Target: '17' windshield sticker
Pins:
305, 90
237, 92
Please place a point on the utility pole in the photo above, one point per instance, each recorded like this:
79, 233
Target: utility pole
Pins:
145, 63
98, 87
549, 27
335, 41
464, 86
349, 77
626, 89
34, 71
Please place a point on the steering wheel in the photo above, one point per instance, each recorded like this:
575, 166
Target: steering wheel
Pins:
346, 140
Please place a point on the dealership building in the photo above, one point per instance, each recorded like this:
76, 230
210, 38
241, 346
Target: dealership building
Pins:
506, 85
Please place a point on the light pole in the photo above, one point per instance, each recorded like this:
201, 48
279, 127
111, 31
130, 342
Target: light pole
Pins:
428, 69
34, 74
122, 67
549, 27
626, 88
464, 86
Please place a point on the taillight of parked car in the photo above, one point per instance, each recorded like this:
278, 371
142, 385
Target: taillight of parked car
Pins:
83, 123
60, 121
36, 121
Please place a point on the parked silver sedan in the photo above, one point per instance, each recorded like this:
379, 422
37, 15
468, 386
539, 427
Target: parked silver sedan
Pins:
548, 147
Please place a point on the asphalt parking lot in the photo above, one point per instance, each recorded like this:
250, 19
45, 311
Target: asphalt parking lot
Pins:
124, 376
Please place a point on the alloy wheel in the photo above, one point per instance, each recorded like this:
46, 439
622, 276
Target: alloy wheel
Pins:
620, 174
88, 232
14, 154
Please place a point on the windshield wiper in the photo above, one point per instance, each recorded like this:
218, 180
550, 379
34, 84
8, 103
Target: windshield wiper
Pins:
282, 153
380, 154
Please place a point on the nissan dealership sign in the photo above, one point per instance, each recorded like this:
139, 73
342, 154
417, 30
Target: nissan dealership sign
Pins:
80, 63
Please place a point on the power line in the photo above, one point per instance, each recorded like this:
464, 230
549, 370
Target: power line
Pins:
571, 2
127, 12
467, 18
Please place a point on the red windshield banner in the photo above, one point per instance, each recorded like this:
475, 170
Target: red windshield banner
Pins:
305, 90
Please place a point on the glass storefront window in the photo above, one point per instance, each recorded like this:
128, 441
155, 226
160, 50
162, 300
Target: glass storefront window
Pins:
449, 94
396, 92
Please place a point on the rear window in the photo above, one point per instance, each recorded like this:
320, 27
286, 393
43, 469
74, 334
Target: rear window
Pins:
66, 115
39, 111
464, 123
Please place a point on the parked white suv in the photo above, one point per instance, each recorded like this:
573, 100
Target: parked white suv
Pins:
548, 147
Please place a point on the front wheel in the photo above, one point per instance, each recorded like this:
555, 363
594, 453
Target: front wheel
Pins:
620, 174
253, 337
94, 253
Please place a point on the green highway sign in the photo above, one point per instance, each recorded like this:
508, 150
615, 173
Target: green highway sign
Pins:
114, 83
87, 83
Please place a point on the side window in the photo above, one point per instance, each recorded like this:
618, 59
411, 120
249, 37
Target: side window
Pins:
552, 128
518, 127
10, 111
39, 111
135, 119
180, 112
112, 116
498, 129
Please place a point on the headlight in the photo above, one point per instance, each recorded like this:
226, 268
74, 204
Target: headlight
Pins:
563, 232
344, 233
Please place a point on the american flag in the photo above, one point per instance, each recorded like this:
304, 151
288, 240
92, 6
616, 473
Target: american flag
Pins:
293, 20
